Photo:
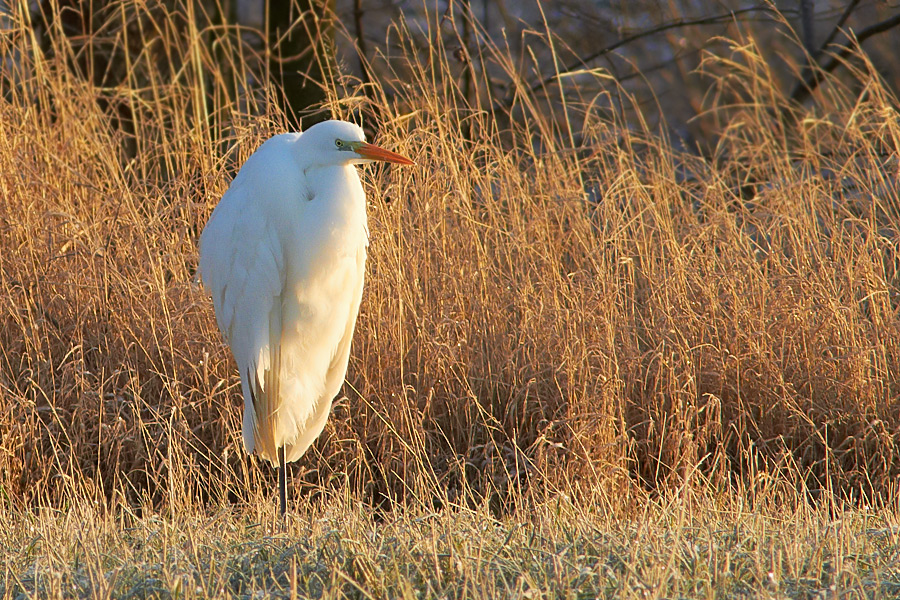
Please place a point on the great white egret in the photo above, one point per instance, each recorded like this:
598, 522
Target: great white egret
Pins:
283, 256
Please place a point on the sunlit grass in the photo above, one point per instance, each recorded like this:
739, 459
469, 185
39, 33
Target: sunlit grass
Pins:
688, 548
558, 306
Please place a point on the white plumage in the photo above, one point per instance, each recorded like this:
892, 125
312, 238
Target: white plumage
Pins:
283, 256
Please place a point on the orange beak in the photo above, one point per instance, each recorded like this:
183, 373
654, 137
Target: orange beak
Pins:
373, 152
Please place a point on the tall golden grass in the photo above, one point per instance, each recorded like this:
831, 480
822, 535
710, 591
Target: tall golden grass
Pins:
557, 300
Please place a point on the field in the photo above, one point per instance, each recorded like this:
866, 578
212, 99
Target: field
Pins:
703, 548
588, 361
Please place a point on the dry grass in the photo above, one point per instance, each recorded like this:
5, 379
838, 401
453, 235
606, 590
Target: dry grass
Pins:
556, 303
704, 547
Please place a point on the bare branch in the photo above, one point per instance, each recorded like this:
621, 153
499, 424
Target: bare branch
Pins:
678, 23
805, 88
851, 6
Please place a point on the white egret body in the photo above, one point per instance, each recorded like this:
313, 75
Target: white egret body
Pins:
283, 256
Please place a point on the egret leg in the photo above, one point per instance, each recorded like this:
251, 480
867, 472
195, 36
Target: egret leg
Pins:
282, 482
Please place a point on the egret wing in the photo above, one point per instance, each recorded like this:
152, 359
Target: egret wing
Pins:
242, 266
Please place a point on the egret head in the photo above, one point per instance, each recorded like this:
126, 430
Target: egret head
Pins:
340, 142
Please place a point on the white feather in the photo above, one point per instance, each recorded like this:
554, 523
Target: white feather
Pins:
283, 256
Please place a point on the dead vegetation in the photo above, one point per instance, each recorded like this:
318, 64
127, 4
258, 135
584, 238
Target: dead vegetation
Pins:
555, 301
693, 547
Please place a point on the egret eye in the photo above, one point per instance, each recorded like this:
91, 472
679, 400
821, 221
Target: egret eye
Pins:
339, 143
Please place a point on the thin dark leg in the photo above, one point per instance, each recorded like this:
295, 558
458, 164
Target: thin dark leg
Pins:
282, 481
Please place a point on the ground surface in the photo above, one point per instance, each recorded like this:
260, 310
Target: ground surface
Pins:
332, 549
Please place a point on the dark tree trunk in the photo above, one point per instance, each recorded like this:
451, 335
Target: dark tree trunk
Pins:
301, 39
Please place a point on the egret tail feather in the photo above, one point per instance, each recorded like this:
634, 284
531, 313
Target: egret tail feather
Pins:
264, 396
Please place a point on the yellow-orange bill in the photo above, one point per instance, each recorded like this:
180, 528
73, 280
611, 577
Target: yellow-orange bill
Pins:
378, 153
